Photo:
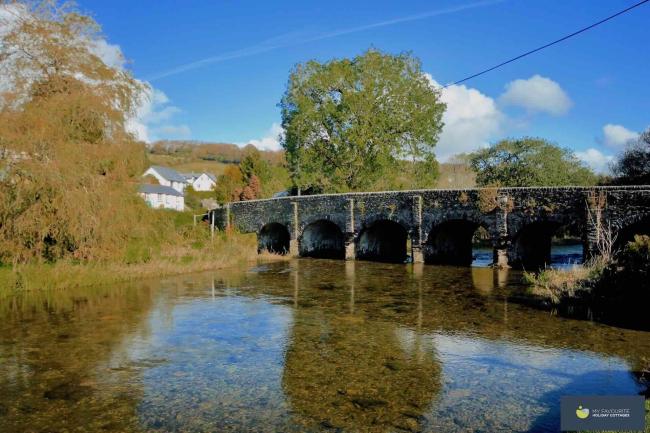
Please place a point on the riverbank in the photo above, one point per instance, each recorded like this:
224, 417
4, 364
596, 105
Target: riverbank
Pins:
226, 250
559, 285
620, 283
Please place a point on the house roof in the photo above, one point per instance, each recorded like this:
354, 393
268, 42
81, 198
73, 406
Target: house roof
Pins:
190, 175
281, 194
197, 175
159, 189
168, 173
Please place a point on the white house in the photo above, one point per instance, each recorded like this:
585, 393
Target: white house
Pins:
170, 193
161, 196
204, 182
190, 177
167, 177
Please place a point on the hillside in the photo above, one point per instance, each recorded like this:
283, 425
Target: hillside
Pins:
456, 175
187, 156
185, 164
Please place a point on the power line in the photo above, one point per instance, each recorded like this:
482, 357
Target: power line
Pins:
550, 43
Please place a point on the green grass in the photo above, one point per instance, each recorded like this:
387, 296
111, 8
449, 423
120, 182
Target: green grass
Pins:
194, 252
556, 285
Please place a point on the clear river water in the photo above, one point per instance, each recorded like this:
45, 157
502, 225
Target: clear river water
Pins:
304, 345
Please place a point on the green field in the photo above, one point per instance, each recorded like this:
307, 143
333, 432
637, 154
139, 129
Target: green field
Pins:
451, 175
188, 164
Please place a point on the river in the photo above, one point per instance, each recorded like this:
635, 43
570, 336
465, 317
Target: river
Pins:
304, 345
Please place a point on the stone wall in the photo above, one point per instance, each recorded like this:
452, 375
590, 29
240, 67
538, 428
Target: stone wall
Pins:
440, 223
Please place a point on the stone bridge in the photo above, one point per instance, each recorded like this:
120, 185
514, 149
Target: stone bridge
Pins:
437, 226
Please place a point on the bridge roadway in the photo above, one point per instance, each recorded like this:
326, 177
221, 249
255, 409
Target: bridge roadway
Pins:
438, 225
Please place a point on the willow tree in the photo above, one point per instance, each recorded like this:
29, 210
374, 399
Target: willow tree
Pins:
350, 124
66, 158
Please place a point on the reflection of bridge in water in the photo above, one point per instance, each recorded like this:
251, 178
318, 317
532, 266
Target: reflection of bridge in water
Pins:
439, 225
364, 348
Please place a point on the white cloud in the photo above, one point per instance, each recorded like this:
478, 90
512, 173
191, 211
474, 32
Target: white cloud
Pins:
471, 120
10, 14
596, 159
154, 113
271, 141
537, 94
111, 54
153, 118
174, 132
617, 135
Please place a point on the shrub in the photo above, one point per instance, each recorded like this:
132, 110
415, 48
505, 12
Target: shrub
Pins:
626, 279
487, 199
557, 285
629, 275
636, 255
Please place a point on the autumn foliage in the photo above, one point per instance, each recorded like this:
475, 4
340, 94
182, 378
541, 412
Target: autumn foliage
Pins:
244, 181
67, 163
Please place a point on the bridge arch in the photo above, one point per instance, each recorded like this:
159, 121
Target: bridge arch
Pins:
450, 242
382, 240
533, 242
274, 238
629, 227
322, 238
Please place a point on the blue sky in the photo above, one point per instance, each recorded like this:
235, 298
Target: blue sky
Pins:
219, 68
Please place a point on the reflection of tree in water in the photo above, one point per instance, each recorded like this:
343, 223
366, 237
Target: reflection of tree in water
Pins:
345, 372
335, 358
55, 360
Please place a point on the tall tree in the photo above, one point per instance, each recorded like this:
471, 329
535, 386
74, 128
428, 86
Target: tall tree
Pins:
633, 165
67, 160
529, 162
252, 164
347, 122
229, 184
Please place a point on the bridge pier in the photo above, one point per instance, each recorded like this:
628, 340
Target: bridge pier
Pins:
595, 234
500, 257
350, 233
294, 249
350, 247
417, 255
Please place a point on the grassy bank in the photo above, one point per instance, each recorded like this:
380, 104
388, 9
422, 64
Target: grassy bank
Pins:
190, 249
624, 278
557, 285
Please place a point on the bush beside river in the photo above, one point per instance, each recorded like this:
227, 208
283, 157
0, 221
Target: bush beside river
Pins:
623, 279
